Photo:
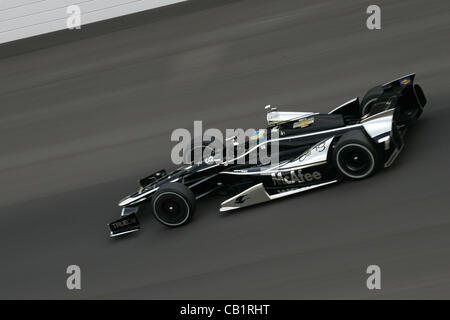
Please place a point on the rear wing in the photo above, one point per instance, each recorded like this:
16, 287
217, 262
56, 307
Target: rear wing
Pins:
408, 87
400, 82
408, 97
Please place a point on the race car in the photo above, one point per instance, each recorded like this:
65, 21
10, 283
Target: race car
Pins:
353, 141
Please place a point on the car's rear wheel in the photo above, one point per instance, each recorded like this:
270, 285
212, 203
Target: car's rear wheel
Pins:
173, 204
355, 157
369, 100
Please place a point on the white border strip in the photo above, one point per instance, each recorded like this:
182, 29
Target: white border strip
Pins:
21, 19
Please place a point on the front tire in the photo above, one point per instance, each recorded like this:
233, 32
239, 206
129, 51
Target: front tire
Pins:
355, 156
173, 204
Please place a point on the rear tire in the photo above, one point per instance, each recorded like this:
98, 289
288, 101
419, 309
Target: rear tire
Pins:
173, 204
355, 156
369, 99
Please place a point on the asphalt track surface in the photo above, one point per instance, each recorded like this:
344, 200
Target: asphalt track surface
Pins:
82, 120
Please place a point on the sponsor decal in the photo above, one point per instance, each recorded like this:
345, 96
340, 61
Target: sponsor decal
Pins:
259, 134
295, 177
241, 199
303, 123
317, 148
124, 223
210, 160
405, 81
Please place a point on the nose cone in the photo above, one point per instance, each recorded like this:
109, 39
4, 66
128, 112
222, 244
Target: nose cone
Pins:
126, 201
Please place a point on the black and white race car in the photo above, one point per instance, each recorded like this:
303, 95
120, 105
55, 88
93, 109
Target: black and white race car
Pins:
352, 141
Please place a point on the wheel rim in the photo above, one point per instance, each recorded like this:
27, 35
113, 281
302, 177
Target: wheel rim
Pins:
171, 209
355, 161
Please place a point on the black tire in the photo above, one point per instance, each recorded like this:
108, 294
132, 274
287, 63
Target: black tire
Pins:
369, 99
173, 204
355, 157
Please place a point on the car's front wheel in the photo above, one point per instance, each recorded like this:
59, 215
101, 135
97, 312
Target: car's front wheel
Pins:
173, 204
